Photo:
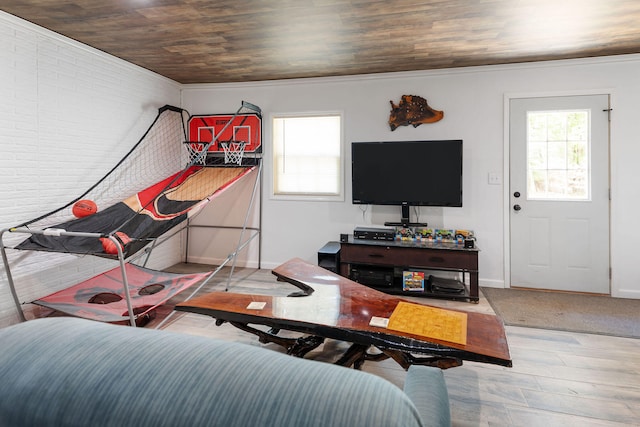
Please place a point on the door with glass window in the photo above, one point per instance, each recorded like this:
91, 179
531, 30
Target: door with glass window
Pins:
559, 193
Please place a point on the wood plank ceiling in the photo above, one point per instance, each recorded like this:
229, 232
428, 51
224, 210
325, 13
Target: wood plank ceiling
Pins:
204, 41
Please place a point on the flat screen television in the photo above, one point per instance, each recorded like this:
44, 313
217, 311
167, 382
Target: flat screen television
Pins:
407, 173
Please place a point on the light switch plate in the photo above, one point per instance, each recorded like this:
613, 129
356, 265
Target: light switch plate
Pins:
494, 178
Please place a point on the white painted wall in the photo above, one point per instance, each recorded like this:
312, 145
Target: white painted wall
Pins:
68, 113
473, 100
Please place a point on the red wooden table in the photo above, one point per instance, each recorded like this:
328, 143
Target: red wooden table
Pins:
329, 306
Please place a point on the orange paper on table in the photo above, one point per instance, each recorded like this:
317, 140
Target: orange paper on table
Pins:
431, 322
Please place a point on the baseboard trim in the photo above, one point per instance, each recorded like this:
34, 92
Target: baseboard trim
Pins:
491, 283
218, 261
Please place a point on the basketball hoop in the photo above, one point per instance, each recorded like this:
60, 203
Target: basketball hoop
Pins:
195, 150
233, 151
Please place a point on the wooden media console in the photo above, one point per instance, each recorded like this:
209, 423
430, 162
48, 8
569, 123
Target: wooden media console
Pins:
380, 264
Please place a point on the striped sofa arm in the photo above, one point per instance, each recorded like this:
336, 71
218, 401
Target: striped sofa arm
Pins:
427, 389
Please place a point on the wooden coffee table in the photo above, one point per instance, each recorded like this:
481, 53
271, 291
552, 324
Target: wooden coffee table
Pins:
329, 306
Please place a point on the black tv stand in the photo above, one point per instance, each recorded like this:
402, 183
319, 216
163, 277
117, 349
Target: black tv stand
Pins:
405, 220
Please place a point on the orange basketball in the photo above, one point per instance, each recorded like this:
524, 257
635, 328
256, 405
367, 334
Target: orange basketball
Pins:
83, 208
109, 247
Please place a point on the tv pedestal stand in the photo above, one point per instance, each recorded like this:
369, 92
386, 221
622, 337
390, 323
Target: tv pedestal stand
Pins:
405, 224
405, 220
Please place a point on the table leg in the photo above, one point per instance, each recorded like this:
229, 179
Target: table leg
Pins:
298, 347
406, 359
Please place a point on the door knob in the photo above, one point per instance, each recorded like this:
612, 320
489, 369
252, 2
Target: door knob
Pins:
516, 207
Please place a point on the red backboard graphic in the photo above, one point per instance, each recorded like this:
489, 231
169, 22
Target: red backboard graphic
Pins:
244, 128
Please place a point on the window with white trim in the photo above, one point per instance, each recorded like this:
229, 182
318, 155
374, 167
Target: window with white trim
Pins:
307, 156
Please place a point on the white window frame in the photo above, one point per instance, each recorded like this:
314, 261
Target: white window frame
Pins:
587, 168
307, 196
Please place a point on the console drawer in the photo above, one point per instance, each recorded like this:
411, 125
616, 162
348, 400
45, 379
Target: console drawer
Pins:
408, 257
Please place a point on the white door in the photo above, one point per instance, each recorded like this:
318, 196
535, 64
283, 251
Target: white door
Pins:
559, 193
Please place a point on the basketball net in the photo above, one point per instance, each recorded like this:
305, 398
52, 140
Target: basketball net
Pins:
195, 150
233, 151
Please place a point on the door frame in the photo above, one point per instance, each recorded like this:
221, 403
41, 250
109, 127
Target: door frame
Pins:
506, 199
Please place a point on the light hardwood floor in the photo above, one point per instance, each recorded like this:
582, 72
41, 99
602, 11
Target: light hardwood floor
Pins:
557, 379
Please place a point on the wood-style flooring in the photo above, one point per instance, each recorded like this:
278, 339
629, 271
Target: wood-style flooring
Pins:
557, 379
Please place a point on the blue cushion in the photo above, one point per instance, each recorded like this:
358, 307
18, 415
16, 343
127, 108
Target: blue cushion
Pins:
74, 372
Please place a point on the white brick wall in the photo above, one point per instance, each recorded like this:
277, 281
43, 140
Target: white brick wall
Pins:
68, 113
